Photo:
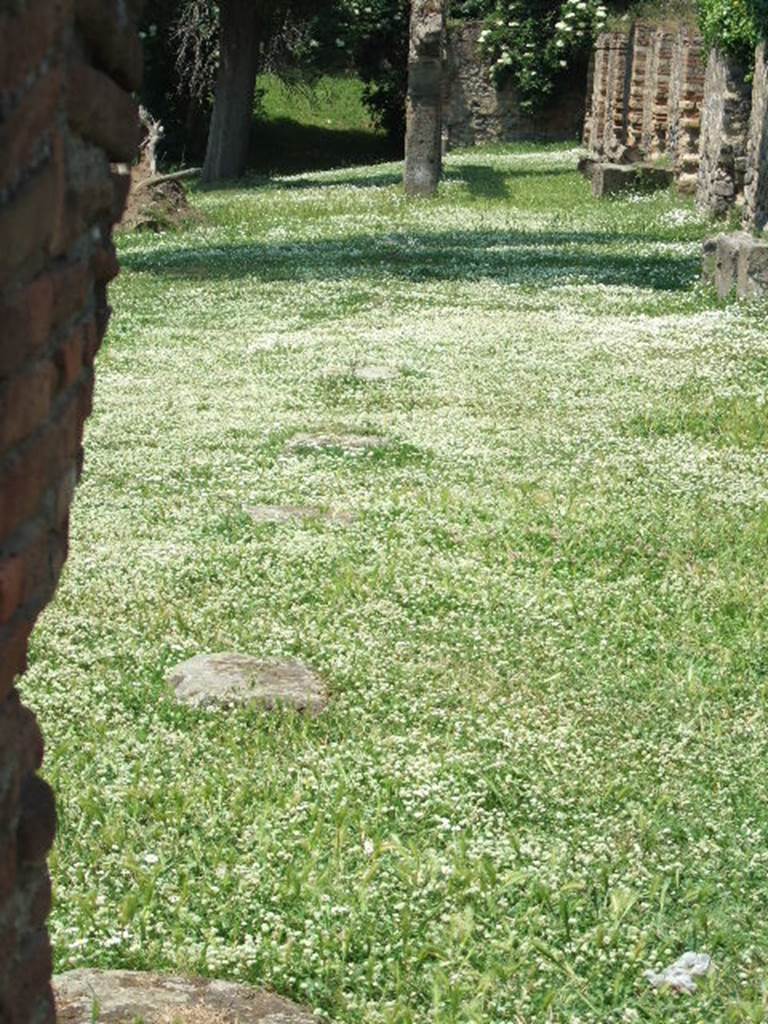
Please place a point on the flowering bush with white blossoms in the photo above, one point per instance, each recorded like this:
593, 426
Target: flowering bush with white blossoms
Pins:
532, 42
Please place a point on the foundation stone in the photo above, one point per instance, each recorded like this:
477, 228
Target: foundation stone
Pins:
126, 997
228, 680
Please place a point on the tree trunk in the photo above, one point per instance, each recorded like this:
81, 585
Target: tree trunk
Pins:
229, 135
423, 111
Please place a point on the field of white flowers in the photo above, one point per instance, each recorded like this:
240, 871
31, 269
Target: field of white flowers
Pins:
543, 616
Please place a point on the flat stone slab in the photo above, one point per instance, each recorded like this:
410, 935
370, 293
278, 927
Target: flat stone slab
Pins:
737, 261
609, 179
296, 513
232, 680
350, 444
124, 997
375, 374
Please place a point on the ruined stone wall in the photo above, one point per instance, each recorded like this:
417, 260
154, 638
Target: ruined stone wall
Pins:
476, 111
66, 71
646, 91
724, 135
756, 177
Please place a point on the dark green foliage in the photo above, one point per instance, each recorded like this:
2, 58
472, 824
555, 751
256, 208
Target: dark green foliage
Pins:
734, 26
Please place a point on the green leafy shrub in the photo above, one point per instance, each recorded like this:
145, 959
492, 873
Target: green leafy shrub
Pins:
734, 26
531, 42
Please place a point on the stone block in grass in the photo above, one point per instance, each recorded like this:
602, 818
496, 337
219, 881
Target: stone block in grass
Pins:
613, 179
349, 444
125, 997
232, 680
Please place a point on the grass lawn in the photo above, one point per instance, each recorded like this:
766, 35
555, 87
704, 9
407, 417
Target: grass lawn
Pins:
301, 126
545, 629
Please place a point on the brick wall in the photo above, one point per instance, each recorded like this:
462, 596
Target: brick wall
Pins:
66, 71
476, 111
756, 177
646, 91
724, 134
686, 95
605, 125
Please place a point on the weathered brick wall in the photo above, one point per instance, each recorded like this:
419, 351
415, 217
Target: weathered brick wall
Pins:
686, 96
724, 134
66, 71
476, 111
636, 116
606, 129
646, 91
756, 177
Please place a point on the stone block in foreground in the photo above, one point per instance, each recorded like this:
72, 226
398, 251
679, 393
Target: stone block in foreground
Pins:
612, 179
739, 262
124, 997
230, 680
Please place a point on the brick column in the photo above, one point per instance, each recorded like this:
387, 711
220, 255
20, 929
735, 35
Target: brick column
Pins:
638, 108
685, 103
64, 117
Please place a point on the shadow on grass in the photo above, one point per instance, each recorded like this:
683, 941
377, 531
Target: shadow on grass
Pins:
487, 182
513, 257
284, 146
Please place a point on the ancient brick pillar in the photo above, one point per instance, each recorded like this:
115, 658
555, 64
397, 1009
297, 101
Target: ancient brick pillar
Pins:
589, 113
686, 97
605, 129
756, 178
67, 68
656, 114
724, 134
640, 57
423, 143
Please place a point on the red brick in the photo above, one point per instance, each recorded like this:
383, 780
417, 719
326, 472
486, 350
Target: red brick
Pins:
37, 820
71, 291
103, 113
28, 125
92, 343
25, 40
34, 969
7, 864
85, 406
39, 888
29, 475
26, 403
65, 492
13, 656
26, 316
27, 224
11, 586
115, 45
104, 263
69, 358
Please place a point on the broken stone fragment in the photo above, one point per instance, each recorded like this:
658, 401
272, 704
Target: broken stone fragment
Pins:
350, 444
124, 997
296, 513
230, 679
373, 374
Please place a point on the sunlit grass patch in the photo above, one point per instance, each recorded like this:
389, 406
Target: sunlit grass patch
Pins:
737, 420
540, 605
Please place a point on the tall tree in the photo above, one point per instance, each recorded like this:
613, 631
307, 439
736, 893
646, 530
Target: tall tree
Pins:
229, 135
423, 135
